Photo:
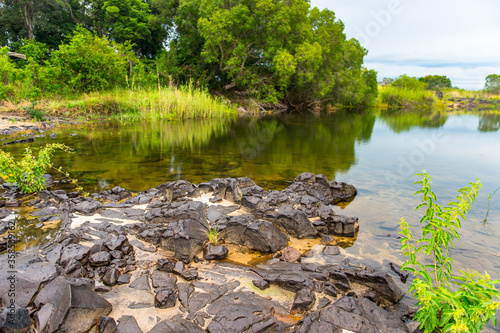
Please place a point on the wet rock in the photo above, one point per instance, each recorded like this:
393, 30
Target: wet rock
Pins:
15, 319
111, 277
290, 254
259, 235
331, 250
351, 314
261, 284
49, 180
4, 212
380, 282
106, 325
184, 292
127, 324
295, 222
403, 275
176, 326
102, 258
339, 225
342, 192
303, 301
215, 252
13, 203
189, 274
165, 264
186, 238
330, 289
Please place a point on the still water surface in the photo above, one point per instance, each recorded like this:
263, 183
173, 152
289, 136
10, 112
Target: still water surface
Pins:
379, 154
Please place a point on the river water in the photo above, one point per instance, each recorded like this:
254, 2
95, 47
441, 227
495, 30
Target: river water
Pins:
377, 153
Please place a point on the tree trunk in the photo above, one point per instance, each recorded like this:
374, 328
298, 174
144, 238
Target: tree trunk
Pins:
27, 7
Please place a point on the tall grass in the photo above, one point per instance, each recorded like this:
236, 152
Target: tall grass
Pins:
164, 102
406, 98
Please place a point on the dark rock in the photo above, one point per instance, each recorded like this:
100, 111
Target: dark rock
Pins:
252, 203
100, 259
328, 240
60, 195
127, 324
74, 269
163, 280
342, 225
106, 325
69, 307
261, 284
323, 302
290, 254
142, 246
165, 264
303, 301
233, 191
140, 283
165, 298
351, 314
74, 251
179, 267
111, 277
87, 207
185, 290
123, 279
215, 252
13, 203
243, 312
49, 180
189, 274
176, 326
378, 281
295, 222
116, 242
102, 288
331, 250
116, 254
186, 238
215, 199
15, 319
403, 275
259, 235
330, 289
4, 212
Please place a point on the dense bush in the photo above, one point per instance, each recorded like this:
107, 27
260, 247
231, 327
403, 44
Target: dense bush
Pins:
433, 82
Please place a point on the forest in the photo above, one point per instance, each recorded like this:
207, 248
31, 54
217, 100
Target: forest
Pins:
272, 51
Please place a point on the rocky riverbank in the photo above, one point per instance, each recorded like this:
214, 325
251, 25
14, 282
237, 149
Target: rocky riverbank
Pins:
142, 262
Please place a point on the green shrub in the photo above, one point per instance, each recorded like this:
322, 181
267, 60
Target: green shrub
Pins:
447, 302
7, 72
407, 82
34, 112
89, 63
28, 172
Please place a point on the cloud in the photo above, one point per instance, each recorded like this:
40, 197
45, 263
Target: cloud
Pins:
458, 38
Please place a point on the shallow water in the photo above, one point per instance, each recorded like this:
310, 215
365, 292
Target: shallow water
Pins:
379, 154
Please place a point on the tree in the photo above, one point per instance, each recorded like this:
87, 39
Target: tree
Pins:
492, 83
407, 82
89, 63
280, 50
434, 82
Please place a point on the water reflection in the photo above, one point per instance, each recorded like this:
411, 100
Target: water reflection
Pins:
403, 120
489, 122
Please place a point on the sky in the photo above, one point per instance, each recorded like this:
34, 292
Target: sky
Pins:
456, 38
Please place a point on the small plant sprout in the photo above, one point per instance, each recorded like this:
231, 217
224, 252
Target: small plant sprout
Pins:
490, 195
447, 302
213, 234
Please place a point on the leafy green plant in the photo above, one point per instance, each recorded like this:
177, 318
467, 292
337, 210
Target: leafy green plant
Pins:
490, 195
28, 172
213, 234
447, 302
34, 112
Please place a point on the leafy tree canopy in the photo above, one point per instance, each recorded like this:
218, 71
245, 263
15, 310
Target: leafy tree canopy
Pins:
434, 82
492, 83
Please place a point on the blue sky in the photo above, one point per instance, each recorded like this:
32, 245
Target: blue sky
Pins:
456, 38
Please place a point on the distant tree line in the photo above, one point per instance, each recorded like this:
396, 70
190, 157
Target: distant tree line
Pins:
272, 50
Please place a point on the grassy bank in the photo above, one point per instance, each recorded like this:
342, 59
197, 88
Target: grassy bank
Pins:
451, 99
168, 102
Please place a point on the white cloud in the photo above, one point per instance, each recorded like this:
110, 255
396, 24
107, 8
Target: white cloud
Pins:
457, 38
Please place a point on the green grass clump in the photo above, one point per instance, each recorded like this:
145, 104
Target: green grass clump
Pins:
406, 97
